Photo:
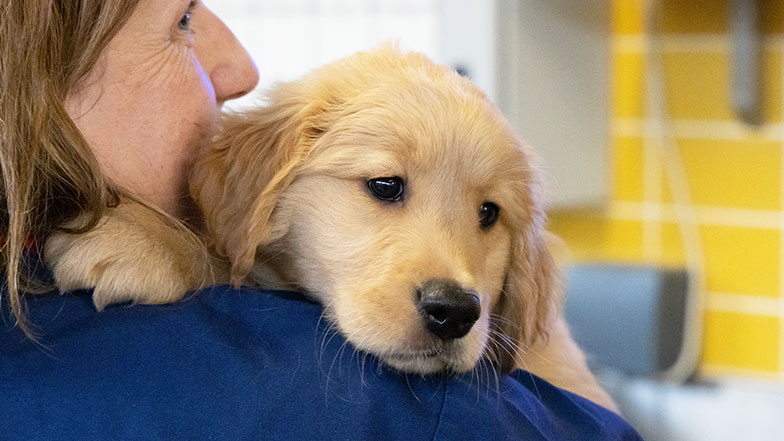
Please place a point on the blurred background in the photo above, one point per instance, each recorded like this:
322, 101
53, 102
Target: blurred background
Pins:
659, 124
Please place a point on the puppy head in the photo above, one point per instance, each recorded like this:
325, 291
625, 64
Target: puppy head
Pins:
390, 189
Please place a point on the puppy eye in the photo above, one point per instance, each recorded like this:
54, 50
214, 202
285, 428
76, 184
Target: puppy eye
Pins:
387, 189
488, 214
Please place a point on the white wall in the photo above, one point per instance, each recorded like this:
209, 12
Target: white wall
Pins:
546, 63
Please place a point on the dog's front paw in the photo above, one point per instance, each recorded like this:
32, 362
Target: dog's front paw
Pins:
132, 255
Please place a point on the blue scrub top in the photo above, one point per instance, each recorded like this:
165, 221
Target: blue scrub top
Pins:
244, 364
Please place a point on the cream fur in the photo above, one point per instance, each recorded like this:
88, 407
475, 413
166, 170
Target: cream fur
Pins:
284, 195
285, 187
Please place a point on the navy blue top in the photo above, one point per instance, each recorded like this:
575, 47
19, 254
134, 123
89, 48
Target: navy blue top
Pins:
250, 365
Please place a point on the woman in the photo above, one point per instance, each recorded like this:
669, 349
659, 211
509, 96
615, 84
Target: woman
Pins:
104, 100
130, 93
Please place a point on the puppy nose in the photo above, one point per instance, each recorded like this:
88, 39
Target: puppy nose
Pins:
448, 310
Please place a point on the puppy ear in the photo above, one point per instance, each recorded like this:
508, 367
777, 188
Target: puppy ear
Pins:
529, 301
238, 183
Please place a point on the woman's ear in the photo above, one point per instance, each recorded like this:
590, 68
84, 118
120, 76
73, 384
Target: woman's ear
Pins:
529, 300
238, 182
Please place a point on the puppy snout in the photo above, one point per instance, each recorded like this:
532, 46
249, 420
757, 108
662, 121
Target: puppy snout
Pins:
449, 311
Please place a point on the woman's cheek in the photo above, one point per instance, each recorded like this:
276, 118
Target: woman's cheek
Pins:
183, 98
169, 113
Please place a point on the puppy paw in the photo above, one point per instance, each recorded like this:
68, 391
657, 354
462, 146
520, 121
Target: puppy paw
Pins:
132, 255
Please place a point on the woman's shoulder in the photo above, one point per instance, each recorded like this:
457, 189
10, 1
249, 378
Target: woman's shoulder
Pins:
247, 364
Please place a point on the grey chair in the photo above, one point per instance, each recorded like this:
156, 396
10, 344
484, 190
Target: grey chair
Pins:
637, 320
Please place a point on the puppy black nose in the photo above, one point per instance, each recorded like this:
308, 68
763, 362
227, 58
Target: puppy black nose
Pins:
448, 310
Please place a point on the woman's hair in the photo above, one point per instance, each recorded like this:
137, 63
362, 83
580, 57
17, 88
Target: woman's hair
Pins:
49, 174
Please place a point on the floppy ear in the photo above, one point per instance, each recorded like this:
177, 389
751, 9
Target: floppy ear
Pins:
530, 298
238, 183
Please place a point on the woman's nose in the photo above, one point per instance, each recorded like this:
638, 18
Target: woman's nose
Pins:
225, 61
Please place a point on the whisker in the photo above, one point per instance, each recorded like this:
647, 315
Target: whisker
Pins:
338, 355
515, 355
493, 366
362, 369
412, 389
477, 370
330, 333
495, 318
520, 362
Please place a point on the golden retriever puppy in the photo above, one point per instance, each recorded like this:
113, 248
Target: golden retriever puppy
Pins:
390, 189
386, 187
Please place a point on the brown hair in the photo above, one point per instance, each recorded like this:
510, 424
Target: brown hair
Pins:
49, 174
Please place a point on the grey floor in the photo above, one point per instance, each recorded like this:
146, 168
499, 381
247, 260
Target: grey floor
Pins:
727, 410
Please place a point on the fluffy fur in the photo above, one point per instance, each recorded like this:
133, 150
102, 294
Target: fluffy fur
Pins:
284, 189
284, 195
